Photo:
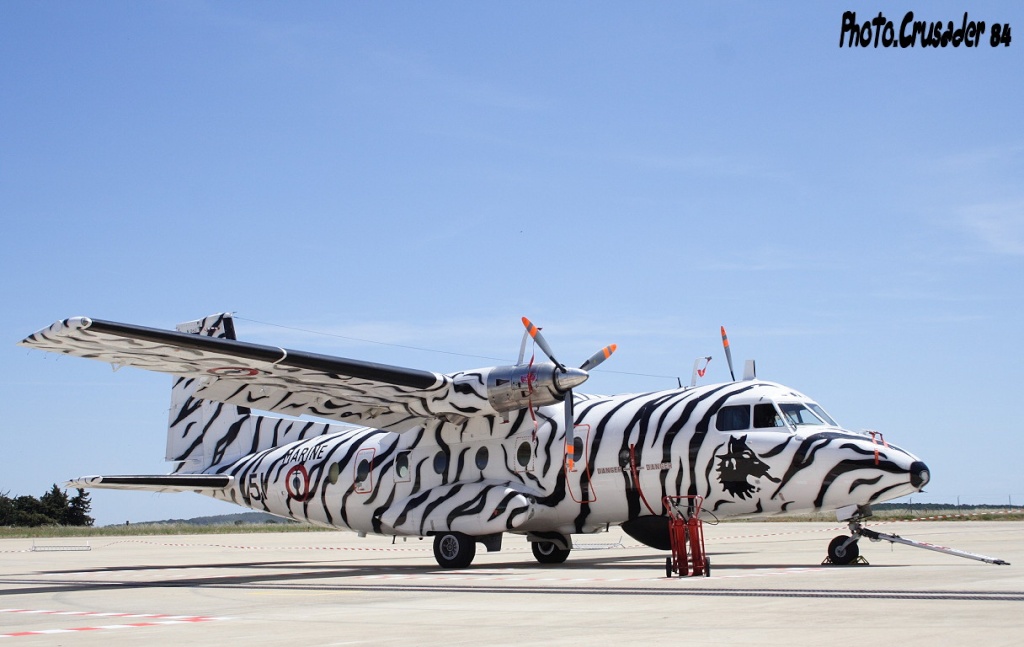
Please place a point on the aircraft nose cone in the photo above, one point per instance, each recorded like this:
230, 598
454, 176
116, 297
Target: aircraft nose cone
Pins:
919, 474
570, 378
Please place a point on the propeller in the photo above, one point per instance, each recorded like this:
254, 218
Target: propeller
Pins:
728, 353
570, 377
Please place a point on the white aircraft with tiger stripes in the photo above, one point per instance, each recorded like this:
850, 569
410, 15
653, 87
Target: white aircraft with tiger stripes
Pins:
469, 456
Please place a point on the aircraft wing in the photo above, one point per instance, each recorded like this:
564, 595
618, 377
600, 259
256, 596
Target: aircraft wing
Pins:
274, 379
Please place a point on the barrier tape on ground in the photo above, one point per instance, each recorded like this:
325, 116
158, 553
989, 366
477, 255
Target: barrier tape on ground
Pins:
243, 547
831, 528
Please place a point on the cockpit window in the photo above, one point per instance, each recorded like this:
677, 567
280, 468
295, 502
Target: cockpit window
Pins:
798, 414
821, 414
733, 418
766, 415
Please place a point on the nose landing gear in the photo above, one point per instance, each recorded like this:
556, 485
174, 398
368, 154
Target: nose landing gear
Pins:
843, 550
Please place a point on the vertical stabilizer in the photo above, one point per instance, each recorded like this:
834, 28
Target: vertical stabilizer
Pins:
201, 433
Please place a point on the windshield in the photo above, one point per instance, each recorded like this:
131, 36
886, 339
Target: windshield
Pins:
821, 414
798, 414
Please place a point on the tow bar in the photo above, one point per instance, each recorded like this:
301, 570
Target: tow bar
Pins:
844, 550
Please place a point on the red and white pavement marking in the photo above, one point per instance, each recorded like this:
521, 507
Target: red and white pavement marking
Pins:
150, 620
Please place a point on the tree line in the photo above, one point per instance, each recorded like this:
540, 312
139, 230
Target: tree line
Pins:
55, 508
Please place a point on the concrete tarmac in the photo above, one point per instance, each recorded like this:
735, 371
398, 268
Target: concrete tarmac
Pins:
767, 587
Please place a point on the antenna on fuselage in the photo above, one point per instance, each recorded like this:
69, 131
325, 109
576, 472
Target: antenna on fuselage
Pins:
728, 353
698, 371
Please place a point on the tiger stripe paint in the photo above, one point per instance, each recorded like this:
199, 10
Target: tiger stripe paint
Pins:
440, 458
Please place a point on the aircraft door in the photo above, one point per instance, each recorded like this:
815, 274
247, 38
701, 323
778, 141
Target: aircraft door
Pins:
362, 478
581, 487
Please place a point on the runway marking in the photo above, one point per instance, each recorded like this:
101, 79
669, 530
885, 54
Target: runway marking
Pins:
153, 620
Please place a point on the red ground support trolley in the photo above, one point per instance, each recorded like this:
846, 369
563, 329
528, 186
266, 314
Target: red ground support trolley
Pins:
686, 532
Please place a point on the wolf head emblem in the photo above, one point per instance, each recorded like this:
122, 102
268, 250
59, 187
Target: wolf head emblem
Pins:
738, 465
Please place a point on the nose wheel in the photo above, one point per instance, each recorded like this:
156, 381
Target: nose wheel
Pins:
843, 550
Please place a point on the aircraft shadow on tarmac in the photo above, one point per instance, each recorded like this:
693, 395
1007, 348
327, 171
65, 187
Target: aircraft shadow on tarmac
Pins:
301, 573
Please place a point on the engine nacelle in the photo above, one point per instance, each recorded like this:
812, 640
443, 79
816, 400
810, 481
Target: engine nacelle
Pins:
510, 388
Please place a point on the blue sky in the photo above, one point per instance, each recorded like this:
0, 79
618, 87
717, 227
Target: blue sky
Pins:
424, 174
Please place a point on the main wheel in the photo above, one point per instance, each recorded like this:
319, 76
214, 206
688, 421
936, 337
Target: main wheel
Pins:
454, 550
837, 554
547, 552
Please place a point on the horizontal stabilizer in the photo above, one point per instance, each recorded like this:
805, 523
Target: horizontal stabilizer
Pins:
156, 482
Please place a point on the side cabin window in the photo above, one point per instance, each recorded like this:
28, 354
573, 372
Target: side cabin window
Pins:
766, 416
402, 467
733, 418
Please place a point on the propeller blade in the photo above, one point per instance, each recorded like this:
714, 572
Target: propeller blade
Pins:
570, 432
728, 353
598, 357
539, 338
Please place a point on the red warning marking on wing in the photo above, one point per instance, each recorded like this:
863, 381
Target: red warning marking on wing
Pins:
233, 371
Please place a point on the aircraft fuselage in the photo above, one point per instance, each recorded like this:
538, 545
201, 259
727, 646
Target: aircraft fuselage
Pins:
737, 445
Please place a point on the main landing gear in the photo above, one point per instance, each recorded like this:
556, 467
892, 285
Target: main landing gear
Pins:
454, 549
844, 550
547, 552
457, 549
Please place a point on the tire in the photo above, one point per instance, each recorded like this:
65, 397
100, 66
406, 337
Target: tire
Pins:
668, 567
842, 556
707, 566
547, 552
454, 550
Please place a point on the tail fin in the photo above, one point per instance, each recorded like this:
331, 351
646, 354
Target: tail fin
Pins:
201, 433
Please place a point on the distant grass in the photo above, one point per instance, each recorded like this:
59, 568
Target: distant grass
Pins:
143, 529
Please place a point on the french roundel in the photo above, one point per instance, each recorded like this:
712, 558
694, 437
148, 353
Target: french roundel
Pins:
297, 483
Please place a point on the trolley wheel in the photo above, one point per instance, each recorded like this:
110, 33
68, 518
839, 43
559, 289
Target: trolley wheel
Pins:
668, 567
547, 552
842, 556
454, 549
707, 566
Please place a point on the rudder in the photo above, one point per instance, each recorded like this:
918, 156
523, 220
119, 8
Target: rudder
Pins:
202, 433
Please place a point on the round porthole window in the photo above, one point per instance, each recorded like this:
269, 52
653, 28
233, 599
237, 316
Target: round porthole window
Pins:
440, 462
402, 465
523, 453
481, 458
